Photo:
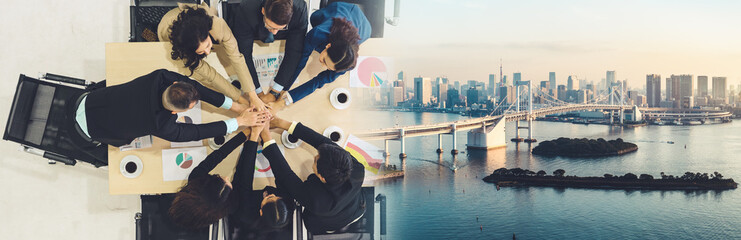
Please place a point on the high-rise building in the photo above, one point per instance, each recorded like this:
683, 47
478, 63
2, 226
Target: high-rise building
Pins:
672, 90
572, 83
609, 80
442, 95
545, 85
719, 89
422, 90
516, 77
561, 93
653, 89
687, 89
397, 96
472, 96
702, 86
453, 98
552, 80
492, 84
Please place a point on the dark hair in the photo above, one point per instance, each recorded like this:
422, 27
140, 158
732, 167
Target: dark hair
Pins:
182, 94
279, 11
186, 34
276, 214
201, 202
344, 39
334, 163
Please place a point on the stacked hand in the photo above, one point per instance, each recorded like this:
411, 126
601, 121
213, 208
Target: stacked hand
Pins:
255, 101
252, 117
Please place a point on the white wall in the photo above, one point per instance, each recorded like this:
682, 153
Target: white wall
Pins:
41, 201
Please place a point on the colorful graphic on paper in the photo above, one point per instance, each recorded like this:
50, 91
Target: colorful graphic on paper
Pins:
367, 154
184, 160
178, 163
370, 72
267, 67
262, 165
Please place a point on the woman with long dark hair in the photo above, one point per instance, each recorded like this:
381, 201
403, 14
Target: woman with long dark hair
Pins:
337, 31
206, 198
193, 32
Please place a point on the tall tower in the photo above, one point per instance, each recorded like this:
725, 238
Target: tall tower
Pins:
501, 81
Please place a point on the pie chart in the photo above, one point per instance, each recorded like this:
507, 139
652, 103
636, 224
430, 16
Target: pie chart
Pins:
368, 71
184, 161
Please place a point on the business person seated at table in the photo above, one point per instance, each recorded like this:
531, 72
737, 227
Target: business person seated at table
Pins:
193, 32
148, 105
269, 20
331, 196
337, 31
253, 214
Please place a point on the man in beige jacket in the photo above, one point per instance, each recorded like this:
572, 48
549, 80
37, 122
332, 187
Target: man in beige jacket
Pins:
193, 30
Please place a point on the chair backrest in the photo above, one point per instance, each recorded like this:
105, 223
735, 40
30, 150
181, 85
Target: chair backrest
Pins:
39, 118
146, 15
373, 10
361, 229
155, 223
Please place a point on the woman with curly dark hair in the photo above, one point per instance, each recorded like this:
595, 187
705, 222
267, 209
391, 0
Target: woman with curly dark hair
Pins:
337, 31
206, 198
193, 32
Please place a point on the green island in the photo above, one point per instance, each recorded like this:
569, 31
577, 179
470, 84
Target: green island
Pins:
504, 177
582, 147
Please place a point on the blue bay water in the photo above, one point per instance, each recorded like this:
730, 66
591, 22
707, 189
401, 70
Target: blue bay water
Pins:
433, 202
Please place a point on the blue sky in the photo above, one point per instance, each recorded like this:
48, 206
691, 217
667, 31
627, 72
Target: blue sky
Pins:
465, 39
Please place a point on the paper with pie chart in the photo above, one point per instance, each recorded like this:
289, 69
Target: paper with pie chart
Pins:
371, 72
262, 166
178, 163
192, 116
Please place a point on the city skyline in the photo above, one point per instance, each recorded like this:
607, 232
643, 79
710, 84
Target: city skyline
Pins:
579, 38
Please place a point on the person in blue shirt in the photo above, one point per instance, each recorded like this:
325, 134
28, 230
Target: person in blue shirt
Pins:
337, 31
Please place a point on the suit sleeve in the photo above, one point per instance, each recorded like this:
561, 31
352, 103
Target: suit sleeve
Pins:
310, 136
245, 172
285, 176
213, 159
174, 131
327, 76
294, 52
233, 57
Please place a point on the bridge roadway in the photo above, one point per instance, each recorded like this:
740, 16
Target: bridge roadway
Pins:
396, 133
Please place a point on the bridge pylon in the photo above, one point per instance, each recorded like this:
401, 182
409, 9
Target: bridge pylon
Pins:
529, 119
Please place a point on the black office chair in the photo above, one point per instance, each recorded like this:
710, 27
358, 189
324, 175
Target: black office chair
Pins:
373, 10
39, 120
361, 229
145, 16
153, 223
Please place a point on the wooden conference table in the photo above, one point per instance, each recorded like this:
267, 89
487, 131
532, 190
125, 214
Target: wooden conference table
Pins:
127, 61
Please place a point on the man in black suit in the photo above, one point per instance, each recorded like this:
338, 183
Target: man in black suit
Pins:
332, 195
149, 104
269, 20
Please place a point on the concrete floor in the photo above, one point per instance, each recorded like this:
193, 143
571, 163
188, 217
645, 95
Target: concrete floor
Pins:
41, 201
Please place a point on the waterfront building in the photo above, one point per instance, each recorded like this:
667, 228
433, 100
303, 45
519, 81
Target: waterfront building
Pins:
686, 90
719, 89
422, 90
453, 98
653, 90
702, 86
672, 90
